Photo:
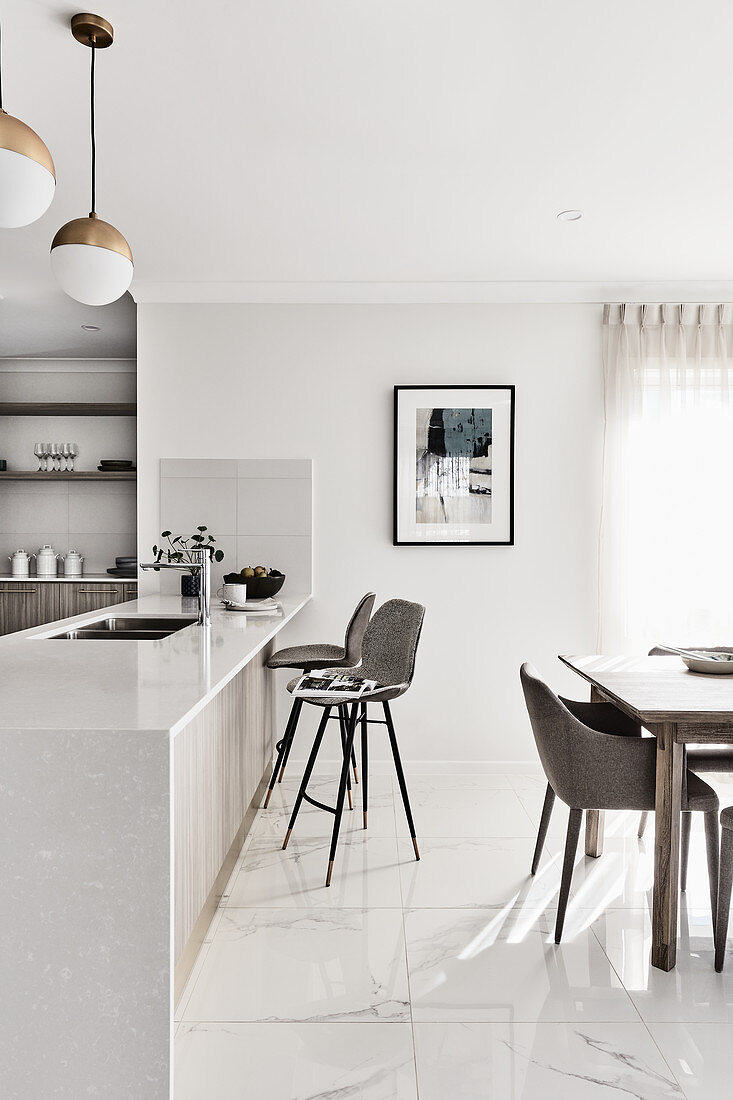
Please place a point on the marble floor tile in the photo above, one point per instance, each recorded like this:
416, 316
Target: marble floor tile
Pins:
295, 1062
327, 965
464, 806
544, 1061
366, 873
623, 876
272, 823
483, 871
492, 966
692, 992
701, 1056
188, 988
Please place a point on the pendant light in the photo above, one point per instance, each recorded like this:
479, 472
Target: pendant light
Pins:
27, 174
90, 259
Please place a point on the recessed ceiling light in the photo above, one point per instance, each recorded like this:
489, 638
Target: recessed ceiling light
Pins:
570, 215
90, 328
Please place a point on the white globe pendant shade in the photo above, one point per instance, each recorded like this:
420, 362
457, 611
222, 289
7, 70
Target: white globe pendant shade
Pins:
91, 261
27, 174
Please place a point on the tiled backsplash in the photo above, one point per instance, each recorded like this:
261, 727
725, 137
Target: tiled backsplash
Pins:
97, 520
259, 510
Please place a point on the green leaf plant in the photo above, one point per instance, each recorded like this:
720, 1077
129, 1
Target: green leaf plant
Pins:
179, 547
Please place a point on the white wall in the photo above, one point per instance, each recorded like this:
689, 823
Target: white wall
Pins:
316, 381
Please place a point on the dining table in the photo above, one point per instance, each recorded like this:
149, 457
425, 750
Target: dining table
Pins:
679, 708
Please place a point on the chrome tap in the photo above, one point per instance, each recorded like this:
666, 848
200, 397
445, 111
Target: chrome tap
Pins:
202, 564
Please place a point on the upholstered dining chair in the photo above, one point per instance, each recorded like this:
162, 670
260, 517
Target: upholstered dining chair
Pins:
310, 658
388, 657
591, 769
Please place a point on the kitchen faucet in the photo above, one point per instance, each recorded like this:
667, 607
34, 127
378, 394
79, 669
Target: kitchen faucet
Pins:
202, 564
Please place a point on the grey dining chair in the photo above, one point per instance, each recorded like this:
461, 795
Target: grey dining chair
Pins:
388, 657
590, 769
310, 658
725, 887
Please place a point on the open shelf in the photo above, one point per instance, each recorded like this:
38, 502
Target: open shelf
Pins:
78, 475
67, 408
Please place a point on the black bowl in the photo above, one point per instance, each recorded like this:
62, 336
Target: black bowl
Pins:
258, 588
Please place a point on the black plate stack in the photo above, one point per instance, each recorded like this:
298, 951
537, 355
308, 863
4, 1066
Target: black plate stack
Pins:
125, 568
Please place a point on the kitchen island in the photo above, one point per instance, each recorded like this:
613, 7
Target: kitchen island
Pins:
129, 773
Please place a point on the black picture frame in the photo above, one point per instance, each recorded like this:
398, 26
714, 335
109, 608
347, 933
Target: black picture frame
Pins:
509, 541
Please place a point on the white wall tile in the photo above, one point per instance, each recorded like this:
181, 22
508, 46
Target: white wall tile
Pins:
101, 549
188, 502
275, 467
274, 506
100, 511
24, 512
198, 467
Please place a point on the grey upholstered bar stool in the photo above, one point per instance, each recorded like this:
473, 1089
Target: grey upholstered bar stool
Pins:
388, 656
310, 658
593, 770
725, 887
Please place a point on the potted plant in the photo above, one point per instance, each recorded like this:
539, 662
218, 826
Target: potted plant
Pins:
179, 550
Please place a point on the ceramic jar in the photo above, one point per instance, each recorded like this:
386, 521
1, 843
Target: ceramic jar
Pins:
73, 564
20, 563
46, 563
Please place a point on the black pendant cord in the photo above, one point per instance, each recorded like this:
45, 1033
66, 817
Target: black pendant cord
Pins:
94, 139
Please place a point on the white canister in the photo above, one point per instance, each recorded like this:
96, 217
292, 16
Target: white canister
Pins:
20, 563
73, 564
46, 562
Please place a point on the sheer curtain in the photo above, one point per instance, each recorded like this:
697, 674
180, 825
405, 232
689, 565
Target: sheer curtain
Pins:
666, 539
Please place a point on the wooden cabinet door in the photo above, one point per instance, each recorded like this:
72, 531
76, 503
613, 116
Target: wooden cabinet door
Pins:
28, 603
91, 597
129, 590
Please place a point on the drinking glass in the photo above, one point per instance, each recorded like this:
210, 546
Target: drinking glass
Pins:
68, 464
39, 452
48, 463
74, 453
56, 455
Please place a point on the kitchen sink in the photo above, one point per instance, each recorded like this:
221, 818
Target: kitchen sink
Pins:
116, 627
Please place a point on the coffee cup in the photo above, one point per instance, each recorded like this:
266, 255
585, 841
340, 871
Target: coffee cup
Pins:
235, 594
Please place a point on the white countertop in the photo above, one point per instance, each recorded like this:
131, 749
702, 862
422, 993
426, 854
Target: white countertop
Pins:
123, 684
93, 578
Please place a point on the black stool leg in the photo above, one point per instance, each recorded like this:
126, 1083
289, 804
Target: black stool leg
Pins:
307, 773
400, 776
544, 826
289, 744
342, 791
343, 726
284, 746
364, 761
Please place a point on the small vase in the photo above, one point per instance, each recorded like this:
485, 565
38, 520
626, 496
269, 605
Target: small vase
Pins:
190, 584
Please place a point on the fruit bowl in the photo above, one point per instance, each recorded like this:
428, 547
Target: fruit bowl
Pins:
258, 588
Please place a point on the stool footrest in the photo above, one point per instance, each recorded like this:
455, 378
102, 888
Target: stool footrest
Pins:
320, 805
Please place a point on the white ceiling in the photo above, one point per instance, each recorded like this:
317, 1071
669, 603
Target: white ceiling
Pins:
385, 141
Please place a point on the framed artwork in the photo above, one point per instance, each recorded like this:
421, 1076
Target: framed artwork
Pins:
453, 466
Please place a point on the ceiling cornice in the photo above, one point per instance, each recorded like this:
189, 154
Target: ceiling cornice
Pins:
428, 293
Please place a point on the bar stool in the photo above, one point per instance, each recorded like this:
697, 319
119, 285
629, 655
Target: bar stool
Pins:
388, 656
309, 658
725, 887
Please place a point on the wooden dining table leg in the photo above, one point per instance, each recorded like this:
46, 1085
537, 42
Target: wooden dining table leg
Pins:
594, 819
666, 845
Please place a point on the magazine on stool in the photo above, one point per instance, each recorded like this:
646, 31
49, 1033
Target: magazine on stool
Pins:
340, 687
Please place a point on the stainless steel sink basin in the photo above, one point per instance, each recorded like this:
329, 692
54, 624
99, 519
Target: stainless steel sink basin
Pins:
117, 628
